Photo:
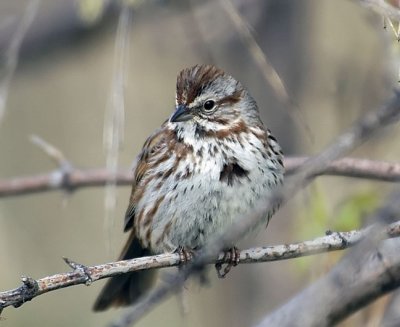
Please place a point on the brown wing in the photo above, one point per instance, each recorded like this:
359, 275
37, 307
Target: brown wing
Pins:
156, 141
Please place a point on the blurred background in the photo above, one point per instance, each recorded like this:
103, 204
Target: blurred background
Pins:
336, 60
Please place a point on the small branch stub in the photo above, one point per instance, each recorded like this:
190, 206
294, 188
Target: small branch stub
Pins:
28, 290
81, 269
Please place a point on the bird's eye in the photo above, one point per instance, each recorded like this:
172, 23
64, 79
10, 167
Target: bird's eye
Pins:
209, 105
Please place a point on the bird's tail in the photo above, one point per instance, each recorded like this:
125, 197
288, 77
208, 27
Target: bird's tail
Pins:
123, 290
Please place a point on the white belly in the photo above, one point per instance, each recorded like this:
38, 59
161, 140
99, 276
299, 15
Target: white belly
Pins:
203, 205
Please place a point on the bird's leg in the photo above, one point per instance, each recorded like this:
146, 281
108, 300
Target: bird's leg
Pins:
232, 257
185, 254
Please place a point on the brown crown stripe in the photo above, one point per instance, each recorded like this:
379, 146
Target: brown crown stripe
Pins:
192, 81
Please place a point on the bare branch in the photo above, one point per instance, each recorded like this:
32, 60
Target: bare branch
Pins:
77, 178
353, 167
94, 177
343, 291
367, 272
55, 154
87, 274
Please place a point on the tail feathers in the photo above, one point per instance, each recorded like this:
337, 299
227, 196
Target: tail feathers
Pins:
125, 289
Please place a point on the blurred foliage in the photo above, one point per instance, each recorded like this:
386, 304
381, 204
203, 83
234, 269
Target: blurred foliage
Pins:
312, 221
91, 11
351, 212
317, 217
316, 212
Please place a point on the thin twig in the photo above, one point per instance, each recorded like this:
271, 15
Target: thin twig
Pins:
77, 178
82, 274
264, 65
114, 117
96, 177
383, 8
55, 154
261, 60
12, 53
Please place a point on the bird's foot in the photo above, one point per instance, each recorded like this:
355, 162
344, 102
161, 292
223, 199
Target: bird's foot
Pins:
231, 257
185, 254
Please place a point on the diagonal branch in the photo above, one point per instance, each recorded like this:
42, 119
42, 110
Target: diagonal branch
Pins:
81, 274
352, 167
346, 289
75, 178
382, 7
367, 272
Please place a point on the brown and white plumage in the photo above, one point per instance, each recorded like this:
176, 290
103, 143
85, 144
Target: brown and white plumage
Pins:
205, 166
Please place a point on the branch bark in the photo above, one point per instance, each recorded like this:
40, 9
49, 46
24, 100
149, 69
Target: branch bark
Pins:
347, 288
369, 271
81, 274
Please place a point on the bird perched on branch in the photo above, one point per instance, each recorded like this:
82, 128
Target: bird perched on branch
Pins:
208, 163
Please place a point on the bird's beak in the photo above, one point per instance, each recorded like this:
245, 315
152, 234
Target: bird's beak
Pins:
181, 113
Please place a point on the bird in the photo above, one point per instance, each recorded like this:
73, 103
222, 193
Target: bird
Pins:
208, 163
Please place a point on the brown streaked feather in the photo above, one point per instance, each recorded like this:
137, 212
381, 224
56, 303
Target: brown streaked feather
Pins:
234, 130
161, 138
150, 214
165, 232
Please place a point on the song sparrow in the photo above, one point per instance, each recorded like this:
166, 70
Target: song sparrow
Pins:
207, 164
